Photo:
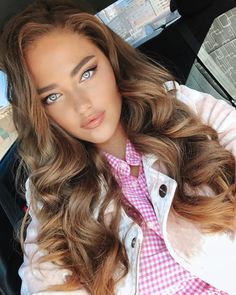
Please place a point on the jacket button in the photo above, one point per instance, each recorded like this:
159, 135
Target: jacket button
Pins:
162, 190
133, 242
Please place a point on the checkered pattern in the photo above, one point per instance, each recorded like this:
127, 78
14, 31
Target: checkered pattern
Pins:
158, 271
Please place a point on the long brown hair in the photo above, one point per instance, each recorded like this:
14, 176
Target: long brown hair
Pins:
67, 174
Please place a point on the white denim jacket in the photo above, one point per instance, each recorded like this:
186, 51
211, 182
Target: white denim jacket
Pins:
211, 257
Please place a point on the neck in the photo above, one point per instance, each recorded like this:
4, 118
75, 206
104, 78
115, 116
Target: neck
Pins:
115, 146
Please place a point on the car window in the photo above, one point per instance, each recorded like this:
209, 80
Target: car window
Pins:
214, 69
137, 21
7, 131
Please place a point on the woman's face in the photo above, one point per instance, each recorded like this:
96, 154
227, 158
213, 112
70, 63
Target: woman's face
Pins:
76, 85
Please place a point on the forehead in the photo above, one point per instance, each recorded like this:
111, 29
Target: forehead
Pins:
57, 52
60, 41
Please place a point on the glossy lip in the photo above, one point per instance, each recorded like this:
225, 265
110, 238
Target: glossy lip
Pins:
93, 121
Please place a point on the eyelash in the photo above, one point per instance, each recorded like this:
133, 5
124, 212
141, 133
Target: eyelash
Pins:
93, 69
57, 95
45, 100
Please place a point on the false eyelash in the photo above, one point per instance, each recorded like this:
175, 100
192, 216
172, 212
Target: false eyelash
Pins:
90, 69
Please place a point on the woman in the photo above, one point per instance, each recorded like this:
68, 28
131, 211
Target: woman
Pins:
131, 177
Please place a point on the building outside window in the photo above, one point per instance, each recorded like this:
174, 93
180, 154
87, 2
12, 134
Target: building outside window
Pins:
7, 131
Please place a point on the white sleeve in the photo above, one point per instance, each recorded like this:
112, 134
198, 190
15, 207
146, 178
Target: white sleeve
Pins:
213, 112
37, 277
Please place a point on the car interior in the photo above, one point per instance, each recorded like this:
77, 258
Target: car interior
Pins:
197, 44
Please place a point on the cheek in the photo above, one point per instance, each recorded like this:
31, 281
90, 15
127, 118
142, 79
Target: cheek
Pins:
106, 95
108, 81
63, 119
112, 92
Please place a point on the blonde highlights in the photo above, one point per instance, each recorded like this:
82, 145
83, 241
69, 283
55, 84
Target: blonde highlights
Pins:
68, 176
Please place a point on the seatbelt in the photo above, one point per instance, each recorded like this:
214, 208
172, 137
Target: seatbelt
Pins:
208, 63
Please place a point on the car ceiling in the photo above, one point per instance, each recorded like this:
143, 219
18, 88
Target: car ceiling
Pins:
10, 7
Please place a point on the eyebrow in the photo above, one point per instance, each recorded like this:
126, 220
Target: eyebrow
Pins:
76, 69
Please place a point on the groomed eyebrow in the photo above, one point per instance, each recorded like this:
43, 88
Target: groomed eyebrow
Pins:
76, 69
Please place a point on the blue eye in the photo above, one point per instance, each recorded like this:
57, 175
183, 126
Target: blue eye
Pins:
51, 98
88, 74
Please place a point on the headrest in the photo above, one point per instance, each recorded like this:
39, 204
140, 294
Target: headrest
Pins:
188, 8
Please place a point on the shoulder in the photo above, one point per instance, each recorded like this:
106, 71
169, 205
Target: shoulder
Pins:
199, 102
28, 196
27, 191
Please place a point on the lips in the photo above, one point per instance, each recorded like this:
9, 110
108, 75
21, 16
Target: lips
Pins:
93, 121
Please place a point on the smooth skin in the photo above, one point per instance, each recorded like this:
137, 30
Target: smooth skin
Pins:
76, 85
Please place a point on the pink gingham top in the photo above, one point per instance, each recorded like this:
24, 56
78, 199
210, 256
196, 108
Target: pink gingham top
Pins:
158, 271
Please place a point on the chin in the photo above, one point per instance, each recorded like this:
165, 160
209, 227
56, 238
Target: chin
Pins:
100, 140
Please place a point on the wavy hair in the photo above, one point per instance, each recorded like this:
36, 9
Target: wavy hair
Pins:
68, 175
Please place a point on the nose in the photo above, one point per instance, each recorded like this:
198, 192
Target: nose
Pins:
84, 108
81, 102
